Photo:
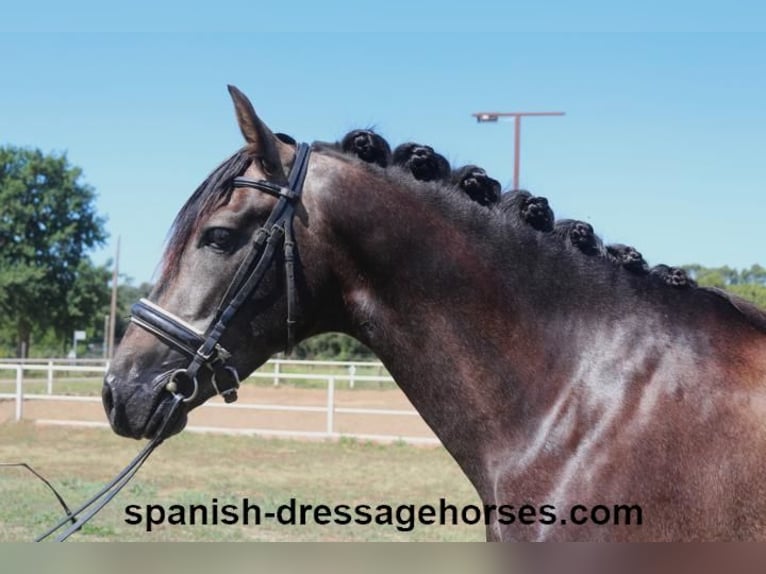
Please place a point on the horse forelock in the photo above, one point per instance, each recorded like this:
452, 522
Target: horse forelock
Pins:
211, 193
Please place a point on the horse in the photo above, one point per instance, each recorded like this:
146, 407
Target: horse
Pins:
563, 385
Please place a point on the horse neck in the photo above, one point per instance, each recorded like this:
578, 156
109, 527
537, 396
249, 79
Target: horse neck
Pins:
462, 324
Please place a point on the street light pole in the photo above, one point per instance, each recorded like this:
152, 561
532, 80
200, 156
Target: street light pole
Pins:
485, 117
113, 303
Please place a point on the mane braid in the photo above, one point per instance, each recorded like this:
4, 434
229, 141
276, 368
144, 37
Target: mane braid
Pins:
211, 193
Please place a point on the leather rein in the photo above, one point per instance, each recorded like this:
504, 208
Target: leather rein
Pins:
204, 349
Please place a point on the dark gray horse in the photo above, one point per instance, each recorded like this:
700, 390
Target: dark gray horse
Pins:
559, 382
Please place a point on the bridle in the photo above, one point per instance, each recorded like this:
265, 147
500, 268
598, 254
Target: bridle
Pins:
204, 348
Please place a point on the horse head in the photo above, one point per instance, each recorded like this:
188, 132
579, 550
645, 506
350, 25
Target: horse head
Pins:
233, 288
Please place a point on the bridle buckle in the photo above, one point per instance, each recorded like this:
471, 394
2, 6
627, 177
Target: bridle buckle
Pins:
216, 355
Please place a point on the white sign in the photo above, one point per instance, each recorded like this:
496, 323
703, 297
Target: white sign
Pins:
79, 335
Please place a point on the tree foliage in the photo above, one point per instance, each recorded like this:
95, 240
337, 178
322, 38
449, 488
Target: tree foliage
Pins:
333, 347
48, 223
127, 294
749, 283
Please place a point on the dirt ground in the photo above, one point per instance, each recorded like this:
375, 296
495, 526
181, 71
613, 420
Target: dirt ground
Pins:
235, 417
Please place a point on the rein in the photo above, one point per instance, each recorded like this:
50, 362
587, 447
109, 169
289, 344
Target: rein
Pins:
90, 508
204, 349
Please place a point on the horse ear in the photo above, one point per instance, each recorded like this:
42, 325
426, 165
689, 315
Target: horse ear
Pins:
258, 136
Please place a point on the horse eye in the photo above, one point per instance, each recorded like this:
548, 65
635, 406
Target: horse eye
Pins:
267, 168
220, 239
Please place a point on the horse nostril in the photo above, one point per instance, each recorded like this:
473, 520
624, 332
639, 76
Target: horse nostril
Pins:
115, 410
106, 397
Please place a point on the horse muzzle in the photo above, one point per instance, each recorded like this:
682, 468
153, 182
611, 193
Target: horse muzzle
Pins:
143, 411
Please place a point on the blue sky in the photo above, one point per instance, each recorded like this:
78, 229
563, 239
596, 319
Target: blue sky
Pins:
663, 145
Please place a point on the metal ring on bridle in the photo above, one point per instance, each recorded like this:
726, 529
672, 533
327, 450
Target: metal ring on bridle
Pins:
172, 385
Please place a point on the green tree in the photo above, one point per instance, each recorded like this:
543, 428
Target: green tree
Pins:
752, 292
756, 275
127, 294
48, 222
749, 283
333, 346
86, 303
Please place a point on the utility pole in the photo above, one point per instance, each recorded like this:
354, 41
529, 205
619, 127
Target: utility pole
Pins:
113, 306
485, 117
106, 336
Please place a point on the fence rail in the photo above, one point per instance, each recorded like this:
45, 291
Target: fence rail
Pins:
275, 370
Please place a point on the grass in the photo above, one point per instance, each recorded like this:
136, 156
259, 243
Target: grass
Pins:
195, 469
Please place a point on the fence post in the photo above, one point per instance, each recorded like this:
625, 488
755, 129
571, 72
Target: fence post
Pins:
50, 377
330, 405
276, 372
19, 393
351, 373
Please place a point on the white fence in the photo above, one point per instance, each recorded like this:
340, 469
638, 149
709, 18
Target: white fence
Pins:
343, 373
